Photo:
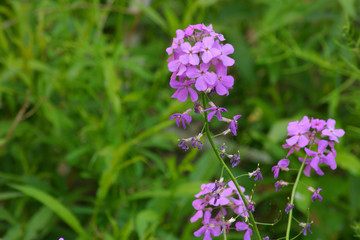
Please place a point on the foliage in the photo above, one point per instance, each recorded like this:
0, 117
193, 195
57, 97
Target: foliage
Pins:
87, 150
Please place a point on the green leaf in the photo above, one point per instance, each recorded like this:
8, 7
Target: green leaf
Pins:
152, 14
49, 201
348, 162
38, 223
349, 7
144, 220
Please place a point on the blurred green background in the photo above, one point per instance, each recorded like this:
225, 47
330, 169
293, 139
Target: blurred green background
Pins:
87, 150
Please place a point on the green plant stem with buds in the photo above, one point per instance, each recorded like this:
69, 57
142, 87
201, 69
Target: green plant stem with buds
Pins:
293, 197
208, 134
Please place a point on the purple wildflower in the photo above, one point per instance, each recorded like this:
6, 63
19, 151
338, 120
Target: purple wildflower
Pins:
222, 150
195, 141
209, 227
233, 124
204, 78
190, 55
317, 124
183, 117
234, 160
298, 132
183, 145
316, 194
279, 185
306, 228
198, 107
183, 90
257, 174
331, 132
292, 148
318, 157
242, 226
209, 52
283, 165
223, 82
266, 238
250, 206
224, 51
214, 110
288, 207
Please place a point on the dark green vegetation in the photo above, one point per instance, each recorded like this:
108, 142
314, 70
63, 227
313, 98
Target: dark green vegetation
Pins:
86, 147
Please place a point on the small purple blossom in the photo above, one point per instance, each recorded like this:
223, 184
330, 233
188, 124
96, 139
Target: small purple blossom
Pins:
283, 165
223, 82
209, 52
195, 141
298, 132
209, 227
198, 107
257, 174
317, 124
242, 226
183, 145
222, 150
183, 117
288, 207
266, 238
184, 89
250, 206
316, 194
190, 55
279, 185
331, 132
214, 110
306, 228
234, 160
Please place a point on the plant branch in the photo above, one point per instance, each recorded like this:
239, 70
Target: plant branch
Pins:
208, 134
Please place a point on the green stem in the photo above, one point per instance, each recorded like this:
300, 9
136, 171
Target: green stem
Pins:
293, 197
208, 134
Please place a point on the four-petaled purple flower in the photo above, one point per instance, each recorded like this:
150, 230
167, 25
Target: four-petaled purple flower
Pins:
190, 55
283, 165
183, 117
209, 52
331, 132
298, 132
242, 226
210, 227
316, 194
183, 90
214, 110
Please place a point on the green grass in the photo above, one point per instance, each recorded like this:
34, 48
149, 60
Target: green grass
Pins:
87, 150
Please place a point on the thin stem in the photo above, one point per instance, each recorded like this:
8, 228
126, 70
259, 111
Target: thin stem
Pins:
208, 134
293, 197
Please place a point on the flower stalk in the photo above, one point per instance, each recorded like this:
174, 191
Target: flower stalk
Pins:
208, 134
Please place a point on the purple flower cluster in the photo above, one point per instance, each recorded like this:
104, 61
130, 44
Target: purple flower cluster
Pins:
194, 55
307, 133
217, 196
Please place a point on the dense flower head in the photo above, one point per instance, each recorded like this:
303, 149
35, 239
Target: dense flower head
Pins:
198, 59
310, 134
210, 198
